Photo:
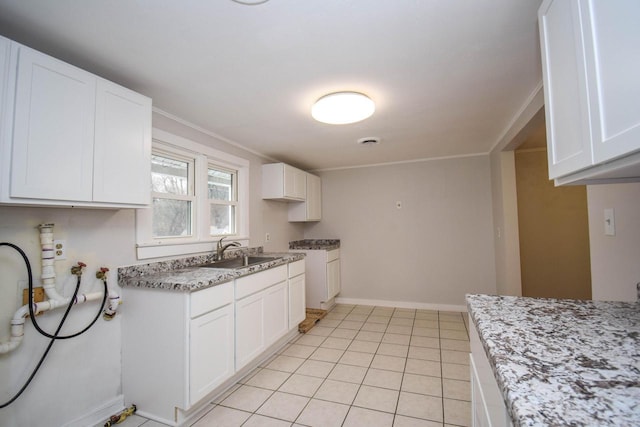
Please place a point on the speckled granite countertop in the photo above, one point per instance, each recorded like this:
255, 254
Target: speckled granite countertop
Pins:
186, 275
315, 244
563, 362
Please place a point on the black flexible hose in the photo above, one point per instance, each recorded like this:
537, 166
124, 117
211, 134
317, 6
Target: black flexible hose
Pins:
46, 352
53, 337
72, 302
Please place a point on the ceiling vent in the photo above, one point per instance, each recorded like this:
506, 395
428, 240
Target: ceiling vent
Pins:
369, 141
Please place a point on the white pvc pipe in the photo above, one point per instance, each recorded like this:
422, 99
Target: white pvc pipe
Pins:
54, 299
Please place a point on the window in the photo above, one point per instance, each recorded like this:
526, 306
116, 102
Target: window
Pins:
199, 195
223, 199
173, 195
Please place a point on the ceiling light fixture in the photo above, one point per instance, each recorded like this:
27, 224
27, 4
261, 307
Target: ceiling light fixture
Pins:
250, 2
341, 108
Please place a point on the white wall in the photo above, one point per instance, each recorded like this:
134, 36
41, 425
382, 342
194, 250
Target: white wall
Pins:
615, 260
433, 250
79, 374
82, 374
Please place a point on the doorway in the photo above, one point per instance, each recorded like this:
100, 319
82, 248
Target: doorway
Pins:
553, 227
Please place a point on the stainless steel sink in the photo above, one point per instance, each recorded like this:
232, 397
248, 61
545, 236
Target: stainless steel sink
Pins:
237, 263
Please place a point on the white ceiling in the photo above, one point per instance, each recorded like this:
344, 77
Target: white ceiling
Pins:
447, 76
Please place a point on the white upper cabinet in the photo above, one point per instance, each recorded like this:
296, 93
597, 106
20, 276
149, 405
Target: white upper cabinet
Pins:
283, 182
54, 121
78, 140
311, 208
122, 155
590, 67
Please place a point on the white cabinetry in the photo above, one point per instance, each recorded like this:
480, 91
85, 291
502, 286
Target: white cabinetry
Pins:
176, 348
311, 208
76, 139
322, 276
590, 70
487, 405
283, 182
210, 351
261, 312
297, 308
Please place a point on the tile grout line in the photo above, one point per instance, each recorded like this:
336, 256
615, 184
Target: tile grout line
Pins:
360, 325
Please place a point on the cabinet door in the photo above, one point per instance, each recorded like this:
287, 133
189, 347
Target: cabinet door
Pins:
53, 129
566, 101
297, 309
612, 40
6, 108
276, 309
314, 198
122, 166
250, 339
295, 183
211, 348
333, 278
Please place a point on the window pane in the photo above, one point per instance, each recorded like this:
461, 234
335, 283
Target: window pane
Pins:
171, 218
223, 220
169, 175
221, 185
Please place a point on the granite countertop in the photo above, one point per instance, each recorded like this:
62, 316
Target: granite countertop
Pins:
315, 244
562, 362
186, 274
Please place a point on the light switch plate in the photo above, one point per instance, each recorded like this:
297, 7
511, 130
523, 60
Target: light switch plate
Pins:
609, 222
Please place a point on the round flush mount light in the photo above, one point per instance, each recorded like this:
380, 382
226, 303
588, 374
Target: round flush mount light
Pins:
250, 2
341, 108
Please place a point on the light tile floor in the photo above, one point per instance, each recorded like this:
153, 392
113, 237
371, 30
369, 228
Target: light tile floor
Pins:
359, 366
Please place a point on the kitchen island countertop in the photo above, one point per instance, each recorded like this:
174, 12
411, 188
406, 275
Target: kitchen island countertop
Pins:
562, 362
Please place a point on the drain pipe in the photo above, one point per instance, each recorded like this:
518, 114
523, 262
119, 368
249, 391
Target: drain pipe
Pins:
55, 300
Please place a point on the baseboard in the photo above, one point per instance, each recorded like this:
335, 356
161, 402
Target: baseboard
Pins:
402, 304
100, 414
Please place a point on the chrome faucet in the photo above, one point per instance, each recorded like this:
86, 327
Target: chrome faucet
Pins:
220, 248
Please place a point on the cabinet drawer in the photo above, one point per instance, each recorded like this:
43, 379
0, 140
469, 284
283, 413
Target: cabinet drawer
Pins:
259, 281
211, 298
333, 255
296, 268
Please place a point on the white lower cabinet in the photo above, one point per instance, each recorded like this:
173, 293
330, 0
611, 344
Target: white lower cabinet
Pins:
177, 348
297, 305
322, 276
249, 328
276, 319
211, 351
334, 284
487, 405
262, 316
180, 349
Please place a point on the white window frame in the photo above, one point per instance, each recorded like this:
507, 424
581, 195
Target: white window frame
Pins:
201, 241
234, 194
180, 155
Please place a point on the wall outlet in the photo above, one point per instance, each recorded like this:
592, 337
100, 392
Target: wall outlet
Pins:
267, 237
60, 249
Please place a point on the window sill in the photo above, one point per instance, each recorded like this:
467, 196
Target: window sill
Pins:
147, 251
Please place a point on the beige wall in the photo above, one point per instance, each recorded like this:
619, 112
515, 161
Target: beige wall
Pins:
615, 260
553, 229
433, 250
88, 367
